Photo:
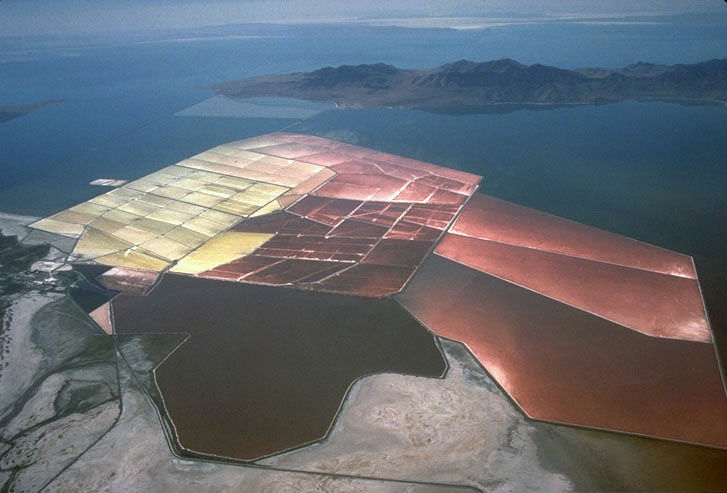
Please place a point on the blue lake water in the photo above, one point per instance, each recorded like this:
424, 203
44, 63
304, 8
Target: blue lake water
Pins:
653, 171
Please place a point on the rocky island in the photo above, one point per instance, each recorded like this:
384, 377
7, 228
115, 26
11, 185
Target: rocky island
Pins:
464, 85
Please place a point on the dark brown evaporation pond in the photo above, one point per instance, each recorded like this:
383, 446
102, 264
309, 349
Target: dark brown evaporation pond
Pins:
266, 368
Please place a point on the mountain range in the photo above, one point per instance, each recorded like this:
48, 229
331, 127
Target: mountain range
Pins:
466, 84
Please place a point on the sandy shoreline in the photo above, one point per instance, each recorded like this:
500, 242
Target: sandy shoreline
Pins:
15, 224
16, 218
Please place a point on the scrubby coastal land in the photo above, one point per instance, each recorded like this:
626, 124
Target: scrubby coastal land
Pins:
465, 84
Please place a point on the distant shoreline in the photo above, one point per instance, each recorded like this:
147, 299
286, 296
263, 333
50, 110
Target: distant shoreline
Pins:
16, 218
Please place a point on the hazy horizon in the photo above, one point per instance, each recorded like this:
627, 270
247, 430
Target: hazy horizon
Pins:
66, 17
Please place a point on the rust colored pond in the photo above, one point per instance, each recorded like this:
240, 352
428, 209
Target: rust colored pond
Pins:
565, 365
265, 369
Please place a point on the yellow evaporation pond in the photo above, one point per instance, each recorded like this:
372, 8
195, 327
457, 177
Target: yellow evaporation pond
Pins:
95, 243
142, 185
174, 170
282, 180
164, 247
58, 227
134, 235
202, 199
218, 190
273, 206
268, 189
124, 193
252, 156
69, 216
204, 176
187, 237
234, 207
160, 178
261, 141
189, 184
220, 250
108, 200
268, 168
159, 227
121, 216
176, 205
138, 207
106, 225
276, 161
213, 158
157, 200
254, 198
204, 226
170, 216
171, 192
194, 164
223, 149
135, 259
220, 217
89, 208
234, 182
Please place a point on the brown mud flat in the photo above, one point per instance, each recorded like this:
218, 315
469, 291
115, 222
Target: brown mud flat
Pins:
564, 365
265, 369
